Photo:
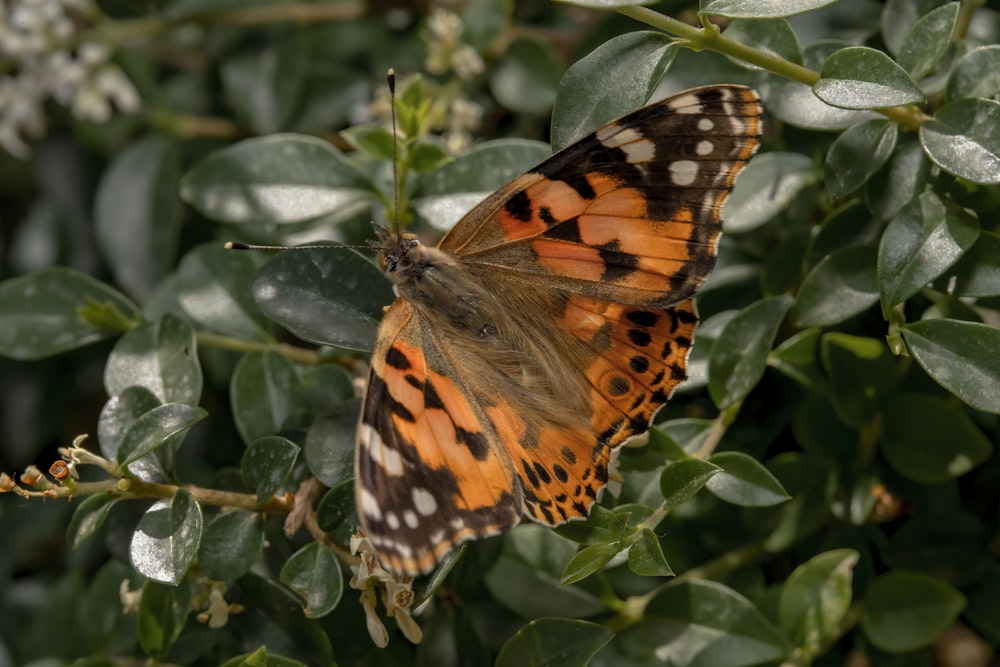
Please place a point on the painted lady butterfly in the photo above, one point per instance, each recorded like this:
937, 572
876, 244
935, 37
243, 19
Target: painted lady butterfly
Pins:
544, 330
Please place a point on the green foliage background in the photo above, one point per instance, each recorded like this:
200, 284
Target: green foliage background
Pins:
825, 488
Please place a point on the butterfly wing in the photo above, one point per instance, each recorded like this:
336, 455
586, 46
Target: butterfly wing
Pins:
630, 213
430, 470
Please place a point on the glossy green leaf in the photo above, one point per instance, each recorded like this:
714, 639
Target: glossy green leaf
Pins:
743, 481
840, 286
213, 287
161, 357
526, 76
899, 16
798, 358
425, 156
929, 440
901, 180
809, 482
167, 538
453, 190
40, 313
680, 480
821, 433
964, 139
904, 611
265, 395
370, 139
589, 560
163, 611
330, 296
961, 356
231, 544
118, 415
281, 178
977, 74
155, 428
600, 527
922, 242
816, 597
977, 273
645, 556
759, 9
863, 373
267, 463
765, 188
554, 642
739, 358
336, 506
689, 433
770, 35
331, 441
88, 518
795, 103
705, 624
926, 43
859, 77
137, 216
857, 154
314, 573
615, 78
261, 658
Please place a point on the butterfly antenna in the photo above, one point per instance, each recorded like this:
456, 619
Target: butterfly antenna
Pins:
391, 80
236, 245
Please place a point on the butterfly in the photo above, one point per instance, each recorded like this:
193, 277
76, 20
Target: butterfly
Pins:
546, 328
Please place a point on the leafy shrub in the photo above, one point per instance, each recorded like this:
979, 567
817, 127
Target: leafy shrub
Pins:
849, 342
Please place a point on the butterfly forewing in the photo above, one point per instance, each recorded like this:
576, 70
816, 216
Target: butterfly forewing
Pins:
549, 327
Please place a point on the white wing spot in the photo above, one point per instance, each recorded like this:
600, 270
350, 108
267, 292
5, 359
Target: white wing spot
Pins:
636, 148
683, 172
705, 124
687, 104
704, 147
458, 523
437, 537
607, 131
424, 501
410, 518
392, 520
369, 505
386, 458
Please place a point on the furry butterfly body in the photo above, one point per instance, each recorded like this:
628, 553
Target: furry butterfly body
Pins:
545, 329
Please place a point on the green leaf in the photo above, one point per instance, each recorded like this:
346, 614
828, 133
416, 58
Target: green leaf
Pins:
155, 428
983, 611
265, 395
766, 188
899, 17
161, 357
260, 657
605, 4
739, 357
554, 642
947, 543
282, 178
331, 442
977, 74
863, 373
329, 296
977, 273
840, 286
370, 139
617, 77
589, 560
336, 506
857, 154
600, 527
815, 599
267, 463
526, 77
858, 77
705, 624
680, 480
167, 538
118, 415
963, 139
88, 518
314, 573
798, 359
899, 182
809, 482
163, 611
450, 192
282, 611
645, 556
769, 35
265, 85
213, 287
744, 481
759, 9
137, 216
922, 242
821, 433
926, 43
231, 544
425, 157
39, 313
930, 440
961, 356
904, 611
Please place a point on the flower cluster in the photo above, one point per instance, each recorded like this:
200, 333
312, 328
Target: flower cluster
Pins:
43, 56
445, 50
397, 594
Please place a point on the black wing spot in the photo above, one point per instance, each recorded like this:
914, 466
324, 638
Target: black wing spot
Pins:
643, 318
685, 316
477, 443
639, 363
546, 215
619, 386
519, 206
432, 399
413, 381
568, 455
667, 349
677, 372
542, 473
396, 359
561, 475
567, 230
617, 265
530, 474
683, 341
639, 337
580, 508
582, 186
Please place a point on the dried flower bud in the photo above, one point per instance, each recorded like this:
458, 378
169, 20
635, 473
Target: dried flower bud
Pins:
60, 471
6, 482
